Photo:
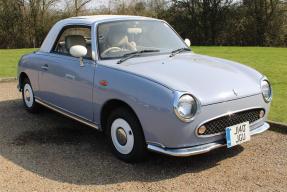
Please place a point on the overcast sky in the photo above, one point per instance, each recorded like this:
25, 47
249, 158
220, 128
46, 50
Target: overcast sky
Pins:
93, 3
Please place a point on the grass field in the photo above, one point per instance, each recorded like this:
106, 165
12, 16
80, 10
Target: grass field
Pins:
270, 61
9, 59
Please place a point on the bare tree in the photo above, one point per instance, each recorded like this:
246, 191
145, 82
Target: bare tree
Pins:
25, 23
79, 5
36, 17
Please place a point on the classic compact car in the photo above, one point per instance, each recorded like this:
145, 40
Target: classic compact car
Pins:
136, 79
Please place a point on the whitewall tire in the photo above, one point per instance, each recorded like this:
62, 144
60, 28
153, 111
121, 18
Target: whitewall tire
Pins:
122, 136
28, 97
125, 135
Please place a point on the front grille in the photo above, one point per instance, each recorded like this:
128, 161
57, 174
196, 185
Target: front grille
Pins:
219, 125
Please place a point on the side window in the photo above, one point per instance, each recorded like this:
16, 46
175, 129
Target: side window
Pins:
76, 35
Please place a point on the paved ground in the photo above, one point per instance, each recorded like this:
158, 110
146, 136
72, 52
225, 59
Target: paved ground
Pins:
48, 152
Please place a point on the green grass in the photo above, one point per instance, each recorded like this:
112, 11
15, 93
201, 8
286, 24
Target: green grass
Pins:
272, 62
9, 59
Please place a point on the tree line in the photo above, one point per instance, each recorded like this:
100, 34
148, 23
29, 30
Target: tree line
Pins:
25, 23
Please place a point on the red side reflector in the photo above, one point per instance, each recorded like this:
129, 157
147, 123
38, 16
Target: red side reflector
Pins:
104, 83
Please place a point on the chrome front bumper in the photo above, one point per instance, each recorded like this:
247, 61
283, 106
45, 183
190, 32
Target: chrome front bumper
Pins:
184, 152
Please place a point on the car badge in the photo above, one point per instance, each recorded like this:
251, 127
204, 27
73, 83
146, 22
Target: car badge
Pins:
235, 92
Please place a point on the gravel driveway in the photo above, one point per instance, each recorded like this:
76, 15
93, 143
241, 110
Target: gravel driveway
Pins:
48, 152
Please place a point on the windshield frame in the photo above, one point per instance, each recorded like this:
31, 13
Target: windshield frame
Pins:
123, 20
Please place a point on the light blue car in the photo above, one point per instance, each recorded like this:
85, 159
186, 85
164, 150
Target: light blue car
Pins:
135, 79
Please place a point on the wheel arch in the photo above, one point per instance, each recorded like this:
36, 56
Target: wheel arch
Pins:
111, 105
22, 77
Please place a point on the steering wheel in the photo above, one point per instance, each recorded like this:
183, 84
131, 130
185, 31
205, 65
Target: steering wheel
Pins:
111, 49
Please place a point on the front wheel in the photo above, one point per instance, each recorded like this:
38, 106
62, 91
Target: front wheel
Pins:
126, 136
28, 97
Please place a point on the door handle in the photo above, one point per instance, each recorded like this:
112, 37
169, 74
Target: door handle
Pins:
45, 67
69, 76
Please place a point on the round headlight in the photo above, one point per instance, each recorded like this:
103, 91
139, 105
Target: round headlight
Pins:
266, 91
185, 107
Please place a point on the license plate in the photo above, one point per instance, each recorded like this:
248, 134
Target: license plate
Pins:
237, 134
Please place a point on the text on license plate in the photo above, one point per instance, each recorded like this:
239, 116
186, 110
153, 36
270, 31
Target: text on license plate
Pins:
237, 134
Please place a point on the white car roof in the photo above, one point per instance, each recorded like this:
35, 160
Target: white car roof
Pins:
100, 18
47, 45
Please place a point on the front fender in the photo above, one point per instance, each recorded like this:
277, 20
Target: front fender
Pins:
152, 102
29, 65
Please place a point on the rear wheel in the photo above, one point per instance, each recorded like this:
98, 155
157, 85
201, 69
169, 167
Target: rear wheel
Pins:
125, 135
28, 97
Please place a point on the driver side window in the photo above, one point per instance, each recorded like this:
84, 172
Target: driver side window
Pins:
73, 35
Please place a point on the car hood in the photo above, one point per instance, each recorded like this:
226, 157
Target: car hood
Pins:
210, 80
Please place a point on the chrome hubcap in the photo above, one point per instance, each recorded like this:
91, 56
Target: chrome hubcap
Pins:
121, 136
27, 95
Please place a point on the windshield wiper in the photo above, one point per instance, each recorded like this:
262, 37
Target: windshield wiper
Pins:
177, 51
136, 54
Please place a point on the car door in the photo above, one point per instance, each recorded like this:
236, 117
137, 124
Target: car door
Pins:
62, 81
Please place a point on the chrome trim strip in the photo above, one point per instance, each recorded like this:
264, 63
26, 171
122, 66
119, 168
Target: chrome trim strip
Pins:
184, 152
260, 129
66, 113
225, 114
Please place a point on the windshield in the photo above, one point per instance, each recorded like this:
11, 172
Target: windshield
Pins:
116, 39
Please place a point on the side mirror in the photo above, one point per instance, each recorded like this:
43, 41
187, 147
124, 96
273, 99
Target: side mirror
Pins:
79, 51
187, 42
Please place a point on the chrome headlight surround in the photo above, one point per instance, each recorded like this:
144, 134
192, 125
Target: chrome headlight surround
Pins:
266, 90
185, 106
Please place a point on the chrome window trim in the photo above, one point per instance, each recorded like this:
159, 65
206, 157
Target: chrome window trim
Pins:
225, 114
71, 25
67, 113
